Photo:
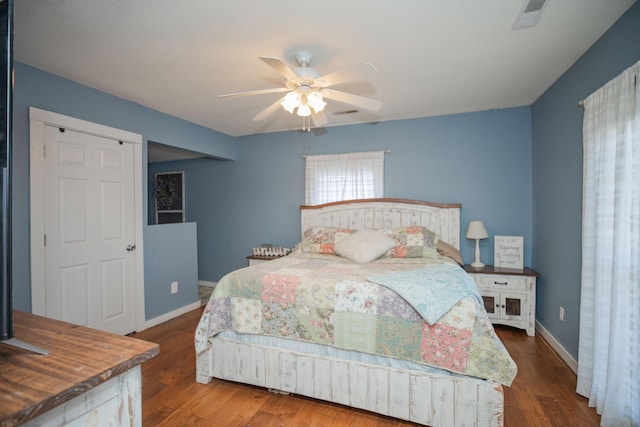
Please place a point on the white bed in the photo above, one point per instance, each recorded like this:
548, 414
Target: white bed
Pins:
427, 397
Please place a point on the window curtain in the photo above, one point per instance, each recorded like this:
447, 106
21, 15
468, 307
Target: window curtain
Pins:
609, 346
334, 177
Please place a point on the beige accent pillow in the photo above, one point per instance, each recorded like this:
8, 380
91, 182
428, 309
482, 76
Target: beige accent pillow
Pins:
364, 246
447, 250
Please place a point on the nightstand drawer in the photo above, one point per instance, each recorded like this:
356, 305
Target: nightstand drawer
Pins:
501, 281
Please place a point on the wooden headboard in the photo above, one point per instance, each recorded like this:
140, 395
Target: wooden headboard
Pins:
441, 218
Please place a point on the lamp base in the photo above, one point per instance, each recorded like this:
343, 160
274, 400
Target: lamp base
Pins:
476, 263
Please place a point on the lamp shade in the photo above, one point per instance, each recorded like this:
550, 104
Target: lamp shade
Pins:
291, 101
477, 230
304, 110
314, 99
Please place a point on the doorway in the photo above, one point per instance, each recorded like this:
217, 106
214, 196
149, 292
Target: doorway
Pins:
86, 223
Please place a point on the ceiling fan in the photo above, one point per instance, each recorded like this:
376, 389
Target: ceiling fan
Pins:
306, 89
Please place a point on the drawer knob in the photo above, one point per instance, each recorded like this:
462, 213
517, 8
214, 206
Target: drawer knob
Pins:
500, 283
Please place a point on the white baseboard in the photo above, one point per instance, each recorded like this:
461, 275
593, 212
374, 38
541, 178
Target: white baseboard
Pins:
172, 314
207, 283
562, 352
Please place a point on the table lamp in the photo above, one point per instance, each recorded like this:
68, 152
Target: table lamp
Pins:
477, 231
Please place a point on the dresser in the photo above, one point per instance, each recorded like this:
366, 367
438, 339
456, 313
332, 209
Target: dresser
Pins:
509, 295
89, 377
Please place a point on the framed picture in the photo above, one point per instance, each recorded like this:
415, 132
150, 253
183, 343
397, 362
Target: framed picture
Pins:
169, 196
508, 252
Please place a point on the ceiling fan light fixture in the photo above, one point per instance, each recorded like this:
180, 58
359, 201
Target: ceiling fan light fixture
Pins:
304, 110
307, 89
314, 99
291, 101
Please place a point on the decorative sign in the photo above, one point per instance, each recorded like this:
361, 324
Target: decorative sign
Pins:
508, 252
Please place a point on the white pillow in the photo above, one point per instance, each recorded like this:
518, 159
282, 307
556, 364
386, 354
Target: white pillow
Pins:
364, 245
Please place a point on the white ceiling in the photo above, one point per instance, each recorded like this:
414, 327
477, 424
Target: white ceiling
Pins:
433, 57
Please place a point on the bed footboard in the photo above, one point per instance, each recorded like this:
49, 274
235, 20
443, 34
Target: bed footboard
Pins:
429, 399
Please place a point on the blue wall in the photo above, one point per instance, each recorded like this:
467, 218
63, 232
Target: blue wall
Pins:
39, 89
557, 171
482, 160
519, 170
170, 254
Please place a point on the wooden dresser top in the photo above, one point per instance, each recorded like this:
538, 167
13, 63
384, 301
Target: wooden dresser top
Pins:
79, 359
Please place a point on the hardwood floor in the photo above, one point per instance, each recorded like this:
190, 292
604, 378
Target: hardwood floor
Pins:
543, 393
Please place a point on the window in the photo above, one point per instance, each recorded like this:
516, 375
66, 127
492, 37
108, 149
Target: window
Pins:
335, 177
169, 192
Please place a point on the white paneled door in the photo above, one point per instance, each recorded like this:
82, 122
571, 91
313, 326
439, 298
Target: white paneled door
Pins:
89, 227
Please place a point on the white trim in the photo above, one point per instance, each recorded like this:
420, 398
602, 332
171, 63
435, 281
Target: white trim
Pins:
140, 224
557, 347
172, 314
207, 283
79, 125
37, 120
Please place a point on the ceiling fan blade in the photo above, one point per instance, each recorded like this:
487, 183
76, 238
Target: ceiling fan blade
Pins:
280, 67
349, 98
268, 111
357, 72
319, 119
254, 92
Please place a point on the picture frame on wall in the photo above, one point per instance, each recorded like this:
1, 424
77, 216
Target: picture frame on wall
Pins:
508, 252
169, 197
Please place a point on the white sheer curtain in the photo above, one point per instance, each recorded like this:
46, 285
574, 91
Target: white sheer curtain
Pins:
334, 177
609, 348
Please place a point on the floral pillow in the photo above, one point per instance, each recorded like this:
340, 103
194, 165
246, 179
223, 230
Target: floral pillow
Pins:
322, 240
413, 242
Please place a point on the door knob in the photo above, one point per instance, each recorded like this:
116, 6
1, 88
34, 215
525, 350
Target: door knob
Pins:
131, 248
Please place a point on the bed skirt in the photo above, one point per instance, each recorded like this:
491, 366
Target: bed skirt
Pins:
425, 398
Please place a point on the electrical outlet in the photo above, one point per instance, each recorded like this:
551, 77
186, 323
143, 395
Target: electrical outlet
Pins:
174, 287
562, 314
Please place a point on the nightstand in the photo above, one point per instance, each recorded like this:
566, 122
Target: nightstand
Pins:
257, 259
509, 295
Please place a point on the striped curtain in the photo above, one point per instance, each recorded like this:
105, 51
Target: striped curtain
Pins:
609, 346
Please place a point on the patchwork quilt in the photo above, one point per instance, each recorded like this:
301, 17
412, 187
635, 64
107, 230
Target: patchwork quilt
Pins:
329, 300
431, 290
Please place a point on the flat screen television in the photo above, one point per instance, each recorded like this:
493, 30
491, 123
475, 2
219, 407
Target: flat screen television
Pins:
6, 125
6, 101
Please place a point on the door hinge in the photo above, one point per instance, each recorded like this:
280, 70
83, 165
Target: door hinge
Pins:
45, 240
